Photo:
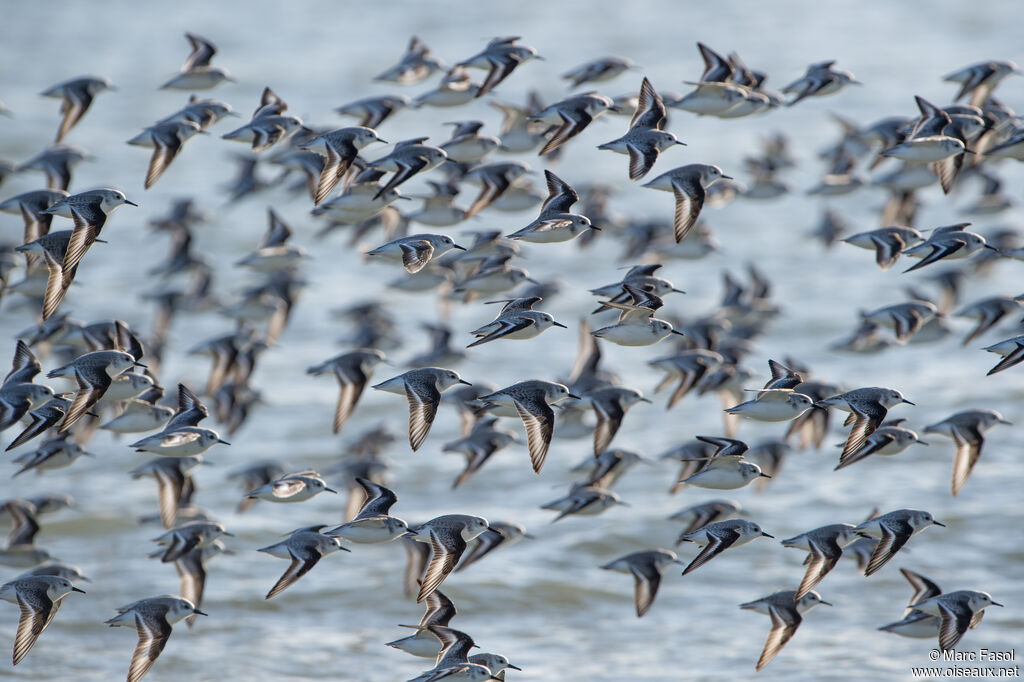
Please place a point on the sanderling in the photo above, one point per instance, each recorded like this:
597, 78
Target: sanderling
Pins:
340, 147
183, 539
373, 524
585, 500
601, 69
181, 437
416, 250
498, 534
295, 487
636, 325
166, 139
569, 117
773, 405
447, 536
466, 144
274, 253
787, 614
888, 439
495, 180
957, 612
42, 418
57, 163
203, 112
604, 470
196, 73
55, 453
726, 469
1011, 350
423, 389
610, 405
77, 95
916, 623
646, 567
415, 65
699, 515
372, 111
905, 319
979, 80
988, 312
483, 440
517, 320
408, 158
266, 129
152, 618
39, 598
353, 371
825, 545
555, 223
887, 242
453, 659
530, 401
689, 367
172, 474
455, 89
645, 138
192, 573
440, 611
894, 530
304, 547
31, 206
966, 428
688, 184
57, 569
719, 536
951, 241
820, 79
868, 408
20, 550
94, 372
500, 57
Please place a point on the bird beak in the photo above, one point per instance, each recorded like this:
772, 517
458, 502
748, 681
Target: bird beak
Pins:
460, 248
463, 381
75, 589
993, 604
594, 227
826, 603
199, 613
516, 667
1006, 421
727, 177
221, 440
936, 523
767, 536
559, 324
680, 142
330, 490
679, 291
576, 397
907, 402
645, 400
409, 532
676, 331
230, 535
139, 364
130, 203
765, 476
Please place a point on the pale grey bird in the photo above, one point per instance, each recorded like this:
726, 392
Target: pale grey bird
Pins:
183, 539
39, 597
1011, 350
304, 547
416, 251
979, 80
372, 111
57, 162
530, 401
373, 524
699, 515
601, 69
174, 480
408, 158
483, 440
353, 371
645, 138
294, 487
415, 65
447, 536
340, 148
166, 139
966, 428
887, 242
916, 623
719, 536
958, 611
152, 618
888, 439
76, 95
440, 611
610, 405
585, 500
569, 117
786, 614
94, 373
196, 72
868, 408
500, 58
646, 568
825, 545
495, 180
819, 80
498, 534
950, 241
893, 530
422, 387
687, 183
988, 312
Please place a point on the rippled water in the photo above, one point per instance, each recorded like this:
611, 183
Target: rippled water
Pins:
544, 603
